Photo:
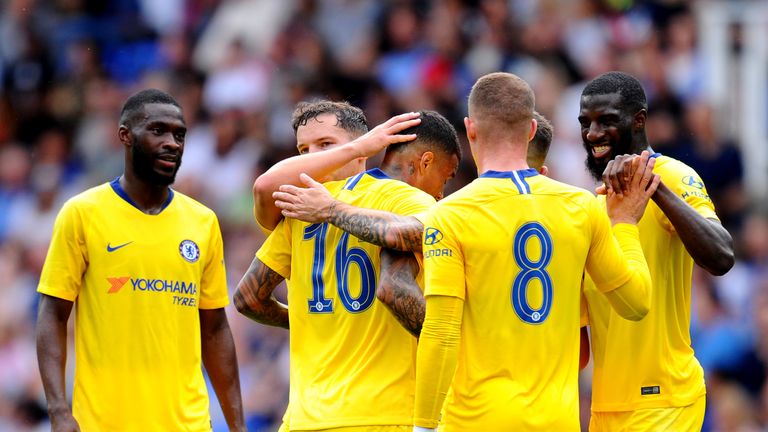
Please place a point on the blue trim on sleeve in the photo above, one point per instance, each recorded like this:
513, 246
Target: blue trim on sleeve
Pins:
124, 195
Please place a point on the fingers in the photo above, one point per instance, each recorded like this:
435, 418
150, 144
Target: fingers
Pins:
601, 190
291, 189
284, 197
653, 186
401, 118
640, 169
309, 181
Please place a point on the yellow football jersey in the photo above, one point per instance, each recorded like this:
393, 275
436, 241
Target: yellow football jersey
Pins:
650, 363
514, 246
352, 363
137, 281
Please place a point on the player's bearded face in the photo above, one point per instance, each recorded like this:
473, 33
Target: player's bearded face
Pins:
145, 165
620, 142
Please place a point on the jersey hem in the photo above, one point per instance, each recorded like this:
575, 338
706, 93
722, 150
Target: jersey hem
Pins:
633, 406
215, 304
349, 423
53, 292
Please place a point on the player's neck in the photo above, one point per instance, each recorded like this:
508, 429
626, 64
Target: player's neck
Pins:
149, 198
504, 157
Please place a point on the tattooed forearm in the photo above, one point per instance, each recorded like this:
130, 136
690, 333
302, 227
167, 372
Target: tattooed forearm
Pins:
399, 291
381, 228
254, 298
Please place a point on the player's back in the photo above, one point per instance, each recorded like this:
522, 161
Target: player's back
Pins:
352, 363
524, 240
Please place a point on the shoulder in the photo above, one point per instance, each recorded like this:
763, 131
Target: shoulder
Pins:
96, 196
672, 169
192, 207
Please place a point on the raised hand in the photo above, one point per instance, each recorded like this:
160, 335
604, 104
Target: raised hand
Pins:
626, 199
312, 204
378, 138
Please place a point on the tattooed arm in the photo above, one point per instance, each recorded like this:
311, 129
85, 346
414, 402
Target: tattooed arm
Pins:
253, 297
398, 289
314, 204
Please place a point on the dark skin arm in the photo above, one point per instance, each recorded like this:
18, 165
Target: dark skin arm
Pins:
706, 240
399, 291
51, 338
314, 204
253, 297
220, 361
709, 244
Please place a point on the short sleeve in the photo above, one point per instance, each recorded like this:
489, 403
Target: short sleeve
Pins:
275, 253
687, 184
213, 287
67, 258
443, 257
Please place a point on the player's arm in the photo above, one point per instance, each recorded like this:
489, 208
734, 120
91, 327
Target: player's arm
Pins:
629, 293
220, 361
399, 291
706, 240
321, 164
51, 339
436, 357
314, 204
254, 299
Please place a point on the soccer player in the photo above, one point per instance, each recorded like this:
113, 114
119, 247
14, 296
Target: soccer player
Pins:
504, 258
333, 141
646, 376
352, 363
145, 266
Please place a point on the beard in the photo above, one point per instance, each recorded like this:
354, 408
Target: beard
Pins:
596, 167
143, 167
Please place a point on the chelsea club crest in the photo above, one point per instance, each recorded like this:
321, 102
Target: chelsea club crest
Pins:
189, 250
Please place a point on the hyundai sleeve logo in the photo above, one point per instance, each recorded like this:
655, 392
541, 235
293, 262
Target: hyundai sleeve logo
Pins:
432, 236
693, 181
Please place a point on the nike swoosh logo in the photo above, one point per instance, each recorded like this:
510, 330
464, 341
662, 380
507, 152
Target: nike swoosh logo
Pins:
112, 249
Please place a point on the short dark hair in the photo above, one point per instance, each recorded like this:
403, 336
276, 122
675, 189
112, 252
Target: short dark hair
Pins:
135, 104
348, 117
631, 91
539, 145
434, 132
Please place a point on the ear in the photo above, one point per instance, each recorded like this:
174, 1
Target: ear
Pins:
124, 134
532, 132
426, 159
469, 125
640, 118
544, 170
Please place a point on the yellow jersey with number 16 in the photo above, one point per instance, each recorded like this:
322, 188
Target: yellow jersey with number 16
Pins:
352, 363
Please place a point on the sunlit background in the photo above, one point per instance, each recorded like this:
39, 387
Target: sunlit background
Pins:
238, 67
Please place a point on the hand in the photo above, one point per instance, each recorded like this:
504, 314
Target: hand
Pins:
617, 174
640, 185
312, 204
378, 138
64, 422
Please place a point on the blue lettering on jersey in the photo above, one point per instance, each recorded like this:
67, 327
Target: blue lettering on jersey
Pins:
160, 285
432, 236
437, 253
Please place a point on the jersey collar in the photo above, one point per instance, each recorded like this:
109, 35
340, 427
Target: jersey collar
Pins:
530, 172
124, 195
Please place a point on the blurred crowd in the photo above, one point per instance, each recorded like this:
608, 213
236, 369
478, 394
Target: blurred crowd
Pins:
238, 67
